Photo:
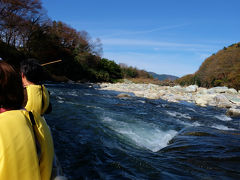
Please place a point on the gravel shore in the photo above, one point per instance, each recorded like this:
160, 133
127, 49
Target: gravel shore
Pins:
221, 97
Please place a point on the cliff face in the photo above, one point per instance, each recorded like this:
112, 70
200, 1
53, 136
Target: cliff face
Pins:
220, 69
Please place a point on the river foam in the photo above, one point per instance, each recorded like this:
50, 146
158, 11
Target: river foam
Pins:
222, 127
177, 114
145, 135
223, 117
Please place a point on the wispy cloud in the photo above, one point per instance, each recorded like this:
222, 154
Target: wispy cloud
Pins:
156, 45
118, 32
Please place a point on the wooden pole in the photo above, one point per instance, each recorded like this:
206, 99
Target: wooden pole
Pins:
51, 62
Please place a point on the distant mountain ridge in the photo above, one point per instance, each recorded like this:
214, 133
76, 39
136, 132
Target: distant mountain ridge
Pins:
162, 77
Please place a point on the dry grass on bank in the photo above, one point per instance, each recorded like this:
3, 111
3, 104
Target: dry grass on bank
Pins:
152, 81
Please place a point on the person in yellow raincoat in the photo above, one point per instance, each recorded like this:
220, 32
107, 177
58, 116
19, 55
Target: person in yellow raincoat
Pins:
36, 98
36, 95
26, 145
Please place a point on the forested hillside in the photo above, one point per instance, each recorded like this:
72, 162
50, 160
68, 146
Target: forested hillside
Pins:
27, 32
220, 69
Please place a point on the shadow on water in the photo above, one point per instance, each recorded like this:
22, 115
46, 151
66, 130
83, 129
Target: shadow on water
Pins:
100, 136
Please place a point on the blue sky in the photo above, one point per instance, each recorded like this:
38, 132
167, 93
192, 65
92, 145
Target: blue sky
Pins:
163, 36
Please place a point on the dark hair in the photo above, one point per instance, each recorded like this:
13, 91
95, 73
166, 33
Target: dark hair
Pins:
11, 87
32, 70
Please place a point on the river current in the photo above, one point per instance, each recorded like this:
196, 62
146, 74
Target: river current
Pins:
100, 136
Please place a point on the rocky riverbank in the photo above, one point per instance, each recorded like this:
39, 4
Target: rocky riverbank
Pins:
221, 97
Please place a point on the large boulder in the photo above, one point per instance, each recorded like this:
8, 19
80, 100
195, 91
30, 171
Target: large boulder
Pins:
233, 98
221, 101
124, 95
201, 102
191, 88
217, 90
152, 95
204, 99
177, 89
202, 90
231, 91
232, 112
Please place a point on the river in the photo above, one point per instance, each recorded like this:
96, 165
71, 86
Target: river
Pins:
100, 136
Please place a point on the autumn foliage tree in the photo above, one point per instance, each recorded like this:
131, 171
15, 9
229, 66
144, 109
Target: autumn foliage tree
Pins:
26, 31
220, 69
17, 20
